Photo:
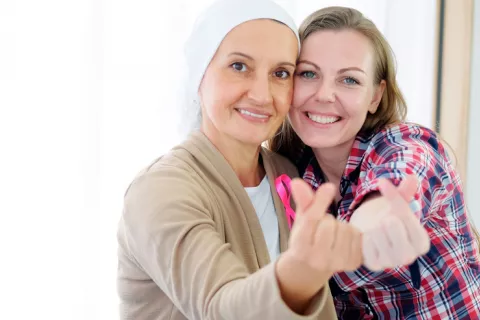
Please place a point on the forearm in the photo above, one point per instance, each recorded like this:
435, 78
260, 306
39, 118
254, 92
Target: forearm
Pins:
297, 288
260, 296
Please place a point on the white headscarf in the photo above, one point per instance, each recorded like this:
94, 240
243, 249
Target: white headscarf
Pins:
209, 30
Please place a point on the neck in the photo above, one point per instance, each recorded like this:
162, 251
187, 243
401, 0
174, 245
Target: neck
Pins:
333, 161
243, 158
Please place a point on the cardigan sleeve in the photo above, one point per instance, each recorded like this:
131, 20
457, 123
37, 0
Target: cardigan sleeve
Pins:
170, 233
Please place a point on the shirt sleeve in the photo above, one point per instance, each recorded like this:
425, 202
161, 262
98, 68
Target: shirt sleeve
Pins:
404, 150
393, 154
171, 235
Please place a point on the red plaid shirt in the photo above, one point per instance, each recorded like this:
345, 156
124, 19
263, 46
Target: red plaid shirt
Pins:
443, 284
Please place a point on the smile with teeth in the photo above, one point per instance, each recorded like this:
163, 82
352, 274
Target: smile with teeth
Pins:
322, 119
255, 115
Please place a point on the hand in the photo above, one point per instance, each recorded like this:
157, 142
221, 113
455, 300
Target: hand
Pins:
318, 241
395, 237
319, 246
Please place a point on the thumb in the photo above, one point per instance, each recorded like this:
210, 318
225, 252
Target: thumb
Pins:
390, 192
323, 199
399, 197
408, 187
302, 194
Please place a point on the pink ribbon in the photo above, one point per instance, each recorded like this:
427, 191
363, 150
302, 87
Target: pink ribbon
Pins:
282, 184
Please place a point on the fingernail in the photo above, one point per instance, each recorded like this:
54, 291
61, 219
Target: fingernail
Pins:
415, 206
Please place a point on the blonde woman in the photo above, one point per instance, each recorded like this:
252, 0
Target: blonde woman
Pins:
346, 127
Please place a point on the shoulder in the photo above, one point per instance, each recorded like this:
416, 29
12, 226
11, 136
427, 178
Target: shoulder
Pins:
173, 165
406, 133
404, 137
168, 183
179, 166
410, 148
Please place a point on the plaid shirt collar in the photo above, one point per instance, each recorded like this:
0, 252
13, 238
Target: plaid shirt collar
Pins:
352, 169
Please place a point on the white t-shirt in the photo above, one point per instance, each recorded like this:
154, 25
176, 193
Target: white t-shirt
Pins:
262, 200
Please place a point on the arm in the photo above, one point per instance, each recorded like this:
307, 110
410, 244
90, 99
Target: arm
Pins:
421, 156
173, 238
396, 154
296, 285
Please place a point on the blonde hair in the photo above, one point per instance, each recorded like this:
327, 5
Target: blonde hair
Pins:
392, 108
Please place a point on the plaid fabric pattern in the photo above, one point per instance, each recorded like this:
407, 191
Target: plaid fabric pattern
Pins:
443, 284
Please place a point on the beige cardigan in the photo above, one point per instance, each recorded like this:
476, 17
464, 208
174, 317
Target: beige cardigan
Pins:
191, 245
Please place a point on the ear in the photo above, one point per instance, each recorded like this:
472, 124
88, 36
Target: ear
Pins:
377, 97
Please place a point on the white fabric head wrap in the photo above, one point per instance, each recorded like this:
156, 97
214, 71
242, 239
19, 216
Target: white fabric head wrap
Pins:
209, 30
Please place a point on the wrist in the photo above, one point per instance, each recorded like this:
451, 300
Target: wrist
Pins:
297, 276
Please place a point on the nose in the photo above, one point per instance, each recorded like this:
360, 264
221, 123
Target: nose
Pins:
260, 92
325, 92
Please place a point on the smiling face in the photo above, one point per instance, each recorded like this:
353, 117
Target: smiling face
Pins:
247, 88
334, 88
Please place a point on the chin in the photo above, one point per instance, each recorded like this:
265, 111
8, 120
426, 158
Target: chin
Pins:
321, 145
256, 141
252, 138
320, 142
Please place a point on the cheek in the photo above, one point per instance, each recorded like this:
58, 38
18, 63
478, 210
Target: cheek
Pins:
355, 103
301, 93
294, 115
219, 94
208, 90
283, 98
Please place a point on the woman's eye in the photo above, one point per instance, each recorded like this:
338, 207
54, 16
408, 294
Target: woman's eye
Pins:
350, 81
238, 66
308, 74
282, 74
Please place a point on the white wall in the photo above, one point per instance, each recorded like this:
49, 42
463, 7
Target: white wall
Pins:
473, 160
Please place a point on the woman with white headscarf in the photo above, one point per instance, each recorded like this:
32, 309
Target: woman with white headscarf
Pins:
204, 233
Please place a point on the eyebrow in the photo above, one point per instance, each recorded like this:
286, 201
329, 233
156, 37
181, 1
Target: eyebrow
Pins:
339, 71
351, 69
241, 54
308, 62
246, 56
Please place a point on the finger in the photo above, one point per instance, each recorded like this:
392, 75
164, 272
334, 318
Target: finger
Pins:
408, 187
357, 251
326, 233
305, 226
341, 246
404, 252
311, 211
417, 234
390, 192
370, 254
302, 194
345, 258
396, 200
323, 243
385, 254
302, 233
322, 200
